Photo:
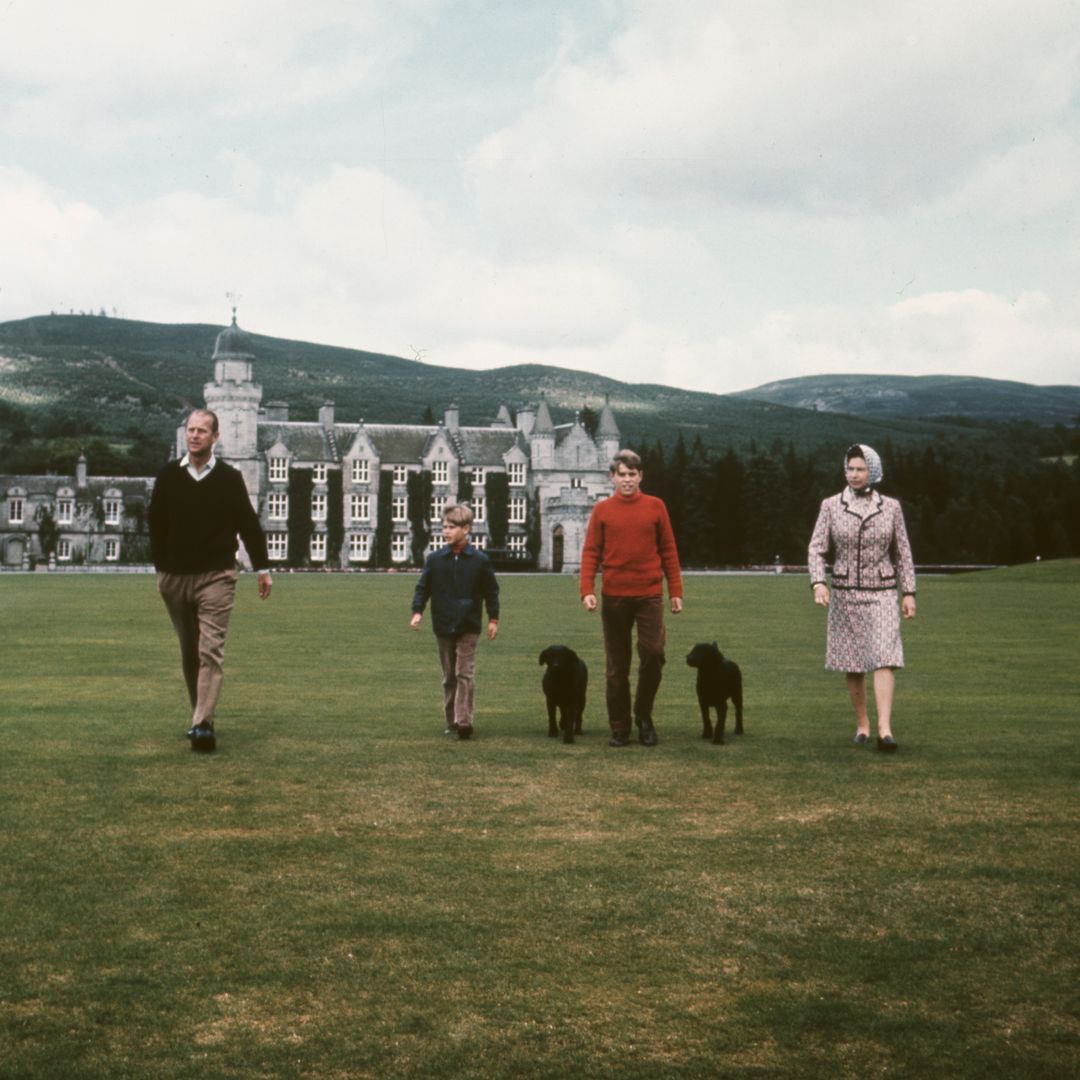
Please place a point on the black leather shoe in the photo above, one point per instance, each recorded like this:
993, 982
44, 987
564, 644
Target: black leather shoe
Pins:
887, 744
646, 732
464, 731
618, 739
202, 738
860, 739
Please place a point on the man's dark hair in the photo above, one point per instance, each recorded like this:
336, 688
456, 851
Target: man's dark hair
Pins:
627, 458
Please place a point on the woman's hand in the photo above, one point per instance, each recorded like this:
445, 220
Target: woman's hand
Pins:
821, 594
907, 607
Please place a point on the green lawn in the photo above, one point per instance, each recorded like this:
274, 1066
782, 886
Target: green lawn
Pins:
341, 892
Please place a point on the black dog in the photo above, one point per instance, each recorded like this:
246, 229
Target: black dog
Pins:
717, 680
565, 682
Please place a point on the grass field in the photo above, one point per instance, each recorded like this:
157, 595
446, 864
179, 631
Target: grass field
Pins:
342, 892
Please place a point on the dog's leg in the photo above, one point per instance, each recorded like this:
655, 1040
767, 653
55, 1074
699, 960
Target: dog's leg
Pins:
553, 730
736, 699
566, 722
706, 722
721, 721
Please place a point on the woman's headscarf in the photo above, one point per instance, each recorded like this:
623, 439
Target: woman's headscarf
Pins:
870, 456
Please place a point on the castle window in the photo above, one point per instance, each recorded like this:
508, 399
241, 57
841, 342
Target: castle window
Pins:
479, 508
399, 547
361, 472
112, 549
517, 510
516, 543
318, 473
478, 476
113, 509
399, 508
63, 551
15, 511
277, 544
359, 508
438, 505
359, 547
515, 473
440, 472
478, 540
277, 506
318, 506
401, 474
279, 471
65, 511
318, 547
577, 482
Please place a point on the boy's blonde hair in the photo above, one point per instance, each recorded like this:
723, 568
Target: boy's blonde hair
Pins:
458, 514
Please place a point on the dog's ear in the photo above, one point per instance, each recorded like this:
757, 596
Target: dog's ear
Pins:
715, 646
545, 656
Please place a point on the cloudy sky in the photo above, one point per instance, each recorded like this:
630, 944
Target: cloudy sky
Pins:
707, 193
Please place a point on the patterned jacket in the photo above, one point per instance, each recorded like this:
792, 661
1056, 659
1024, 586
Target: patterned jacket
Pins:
869, 550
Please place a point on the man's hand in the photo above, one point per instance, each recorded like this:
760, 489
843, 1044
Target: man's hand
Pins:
416, 620
265, 585
493, 629
589, 602
676, 605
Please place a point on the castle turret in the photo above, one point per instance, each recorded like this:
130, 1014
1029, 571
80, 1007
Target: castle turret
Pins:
235, 396
607, 433
542, 440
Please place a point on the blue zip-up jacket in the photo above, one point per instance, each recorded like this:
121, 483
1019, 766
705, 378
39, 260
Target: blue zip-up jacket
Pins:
457, 586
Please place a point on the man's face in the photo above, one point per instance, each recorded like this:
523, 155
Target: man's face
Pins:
627, 481
200, 436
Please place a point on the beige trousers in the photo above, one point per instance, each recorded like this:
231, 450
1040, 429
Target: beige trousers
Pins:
199, 606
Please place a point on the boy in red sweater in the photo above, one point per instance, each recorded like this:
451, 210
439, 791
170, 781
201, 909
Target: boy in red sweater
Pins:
629, 540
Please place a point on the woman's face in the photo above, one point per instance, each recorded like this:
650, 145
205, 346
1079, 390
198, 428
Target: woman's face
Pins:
858, 475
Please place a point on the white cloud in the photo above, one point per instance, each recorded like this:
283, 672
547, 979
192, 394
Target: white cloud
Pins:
828, 107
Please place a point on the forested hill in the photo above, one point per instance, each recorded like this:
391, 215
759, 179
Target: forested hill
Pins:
924, 397
76, 376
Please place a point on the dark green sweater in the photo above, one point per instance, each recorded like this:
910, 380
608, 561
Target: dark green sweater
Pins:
194, 523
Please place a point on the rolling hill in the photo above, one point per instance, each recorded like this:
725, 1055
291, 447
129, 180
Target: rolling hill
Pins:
924, 397
131, 378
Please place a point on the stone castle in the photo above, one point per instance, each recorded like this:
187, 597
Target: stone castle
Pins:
531, 484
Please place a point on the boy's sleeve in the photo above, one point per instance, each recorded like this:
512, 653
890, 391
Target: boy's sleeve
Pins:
491, 591
423, 589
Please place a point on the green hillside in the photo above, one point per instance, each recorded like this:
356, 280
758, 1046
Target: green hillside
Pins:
69, 375
924, 396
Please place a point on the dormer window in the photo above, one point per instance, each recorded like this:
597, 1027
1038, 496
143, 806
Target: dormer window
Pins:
318, 473
279, 470
114, 509
515, 473
440, 472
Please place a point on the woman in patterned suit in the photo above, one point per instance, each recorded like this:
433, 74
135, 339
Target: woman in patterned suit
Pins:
864, 532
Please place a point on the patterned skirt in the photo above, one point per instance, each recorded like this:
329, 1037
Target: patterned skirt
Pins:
864, 631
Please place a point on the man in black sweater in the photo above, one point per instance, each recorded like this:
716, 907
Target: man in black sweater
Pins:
198, 507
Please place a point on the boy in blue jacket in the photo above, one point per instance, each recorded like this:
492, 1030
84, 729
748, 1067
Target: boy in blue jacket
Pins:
458, 579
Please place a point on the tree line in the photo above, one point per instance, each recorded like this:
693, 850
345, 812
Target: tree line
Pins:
962, 504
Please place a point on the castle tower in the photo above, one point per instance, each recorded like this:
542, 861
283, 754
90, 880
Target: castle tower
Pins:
607, 434
542, 441
235, 397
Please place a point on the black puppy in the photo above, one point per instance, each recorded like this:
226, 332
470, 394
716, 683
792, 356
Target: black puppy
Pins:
565, 682
717, 680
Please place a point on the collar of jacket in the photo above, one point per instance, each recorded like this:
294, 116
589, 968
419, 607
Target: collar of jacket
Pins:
447, 550
847, 495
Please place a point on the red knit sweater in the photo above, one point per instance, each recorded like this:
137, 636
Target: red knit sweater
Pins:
631, 543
